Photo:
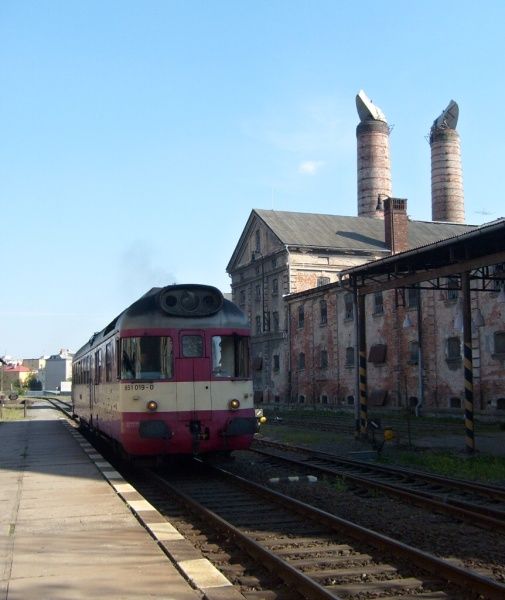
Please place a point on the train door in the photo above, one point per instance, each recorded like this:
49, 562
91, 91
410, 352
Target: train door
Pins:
192, 374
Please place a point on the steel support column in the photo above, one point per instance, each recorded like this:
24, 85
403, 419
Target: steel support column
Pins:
468, 362
363, 401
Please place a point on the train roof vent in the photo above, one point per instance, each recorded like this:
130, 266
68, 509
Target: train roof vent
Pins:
190, 300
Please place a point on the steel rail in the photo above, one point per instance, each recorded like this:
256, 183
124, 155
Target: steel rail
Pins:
436, 566
293, 577
495, 492
439, 568
418, 498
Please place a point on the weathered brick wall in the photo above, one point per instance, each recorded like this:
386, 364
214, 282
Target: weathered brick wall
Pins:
398, 377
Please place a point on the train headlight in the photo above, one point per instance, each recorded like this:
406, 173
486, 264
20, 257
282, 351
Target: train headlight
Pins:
234, 404
152, 405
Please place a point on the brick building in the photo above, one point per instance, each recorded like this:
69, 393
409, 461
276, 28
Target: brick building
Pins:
286, 262
285, 275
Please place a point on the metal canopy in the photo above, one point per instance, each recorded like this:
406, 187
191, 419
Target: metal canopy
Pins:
472, 252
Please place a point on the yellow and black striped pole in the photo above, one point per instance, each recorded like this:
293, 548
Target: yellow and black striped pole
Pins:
363, 401
468, 363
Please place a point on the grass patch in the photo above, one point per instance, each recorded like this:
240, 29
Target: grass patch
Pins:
291, 435
12, 413
477, 468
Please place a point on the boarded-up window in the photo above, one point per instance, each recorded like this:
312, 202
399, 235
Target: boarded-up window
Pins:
322, 281
257, 363
413, 353
453, 349
377, 354
349, 306
413, 297
378, 397
324, 312
499, 342
349, 356
301, 316
275, 316
378, 303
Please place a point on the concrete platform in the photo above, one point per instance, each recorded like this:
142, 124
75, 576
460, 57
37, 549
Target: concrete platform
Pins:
68, 531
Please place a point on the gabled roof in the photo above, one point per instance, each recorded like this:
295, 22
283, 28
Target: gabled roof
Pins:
342, 233
349, 233
16, 369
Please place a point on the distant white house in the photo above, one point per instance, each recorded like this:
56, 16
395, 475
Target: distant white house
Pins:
58, 370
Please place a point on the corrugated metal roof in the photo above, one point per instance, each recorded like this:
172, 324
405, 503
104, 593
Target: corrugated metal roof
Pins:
349, 233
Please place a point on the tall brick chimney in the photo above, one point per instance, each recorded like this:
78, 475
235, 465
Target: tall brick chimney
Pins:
374, 165
447, 197
396, 224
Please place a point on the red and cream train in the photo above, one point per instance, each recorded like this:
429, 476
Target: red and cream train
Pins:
169, 376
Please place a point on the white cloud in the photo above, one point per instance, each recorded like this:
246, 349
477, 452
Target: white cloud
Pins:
310, 167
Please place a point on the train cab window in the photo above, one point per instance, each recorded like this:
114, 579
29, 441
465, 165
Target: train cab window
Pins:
192, 346
230, 356
147, 358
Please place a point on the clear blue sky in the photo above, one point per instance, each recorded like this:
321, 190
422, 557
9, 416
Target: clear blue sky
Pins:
136, 137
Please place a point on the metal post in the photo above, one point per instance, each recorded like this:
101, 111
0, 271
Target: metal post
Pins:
362, 365
468, 363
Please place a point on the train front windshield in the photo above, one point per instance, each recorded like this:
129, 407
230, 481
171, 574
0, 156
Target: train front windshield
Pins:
152, 357
147, 358
230, 356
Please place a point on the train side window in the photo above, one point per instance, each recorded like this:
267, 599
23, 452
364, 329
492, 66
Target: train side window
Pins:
108, 362
230, 356
98, 366
192, 346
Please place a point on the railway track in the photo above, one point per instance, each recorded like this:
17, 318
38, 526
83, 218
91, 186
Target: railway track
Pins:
319, 555
406, 428
479, 504
295, 550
